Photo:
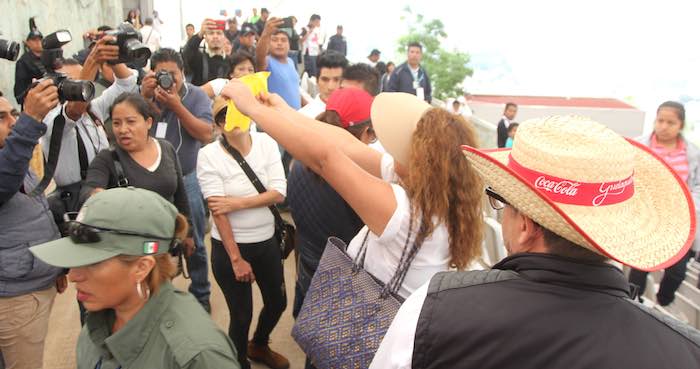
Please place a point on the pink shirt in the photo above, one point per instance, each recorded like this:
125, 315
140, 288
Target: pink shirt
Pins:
676, 158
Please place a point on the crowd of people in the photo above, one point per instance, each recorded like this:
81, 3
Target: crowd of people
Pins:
140, 169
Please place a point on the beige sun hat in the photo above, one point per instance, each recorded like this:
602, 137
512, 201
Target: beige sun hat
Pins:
394, 118
595, 188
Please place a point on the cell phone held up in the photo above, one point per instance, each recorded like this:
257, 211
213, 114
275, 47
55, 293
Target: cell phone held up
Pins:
219, 24
287, 23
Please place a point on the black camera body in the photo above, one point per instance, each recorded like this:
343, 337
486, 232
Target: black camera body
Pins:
52, 60
9, 50
165, 80
131, 50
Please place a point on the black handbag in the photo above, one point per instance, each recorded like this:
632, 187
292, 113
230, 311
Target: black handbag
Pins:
285, 232
346, 311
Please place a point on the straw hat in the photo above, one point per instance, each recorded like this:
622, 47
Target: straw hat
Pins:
395, 116
591, 186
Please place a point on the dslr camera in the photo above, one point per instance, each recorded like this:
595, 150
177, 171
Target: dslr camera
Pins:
9, 50
165, 80
52, 61
131, 50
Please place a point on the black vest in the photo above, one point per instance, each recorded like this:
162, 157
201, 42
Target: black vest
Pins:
543, 311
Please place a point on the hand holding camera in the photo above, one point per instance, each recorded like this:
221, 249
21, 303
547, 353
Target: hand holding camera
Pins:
104, 50
271, 26
207, 25
41, 99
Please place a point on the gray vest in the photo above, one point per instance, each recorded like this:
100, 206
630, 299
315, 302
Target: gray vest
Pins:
25, 221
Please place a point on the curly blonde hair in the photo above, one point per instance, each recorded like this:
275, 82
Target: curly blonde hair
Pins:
442, 185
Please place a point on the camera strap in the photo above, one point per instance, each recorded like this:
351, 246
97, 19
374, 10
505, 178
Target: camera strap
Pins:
82, 154
59, 122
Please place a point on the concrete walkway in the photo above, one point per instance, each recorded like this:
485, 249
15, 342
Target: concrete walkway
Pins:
64, 327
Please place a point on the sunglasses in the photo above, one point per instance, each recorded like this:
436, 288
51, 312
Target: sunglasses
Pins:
496, 201
83, 233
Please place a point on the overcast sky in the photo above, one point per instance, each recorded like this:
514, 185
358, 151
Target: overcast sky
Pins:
641, 51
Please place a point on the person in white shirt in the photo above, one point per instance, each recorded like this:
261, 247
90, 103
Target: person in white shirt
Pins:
150, 35
313, 39
244, 249
331, 65
424, 190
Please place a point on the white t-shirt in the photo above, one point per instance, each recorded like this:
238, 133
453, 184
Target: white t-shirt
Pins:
220, 175
150, 37
314, 42
313, 108
384, 251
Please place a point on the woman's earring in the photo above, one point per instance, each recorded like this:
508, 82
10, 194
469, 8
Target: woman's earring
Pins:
139, 290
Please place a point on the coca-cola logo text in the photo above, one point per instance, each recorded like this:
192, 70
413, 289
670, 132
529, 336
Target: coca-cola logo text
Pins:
567, 188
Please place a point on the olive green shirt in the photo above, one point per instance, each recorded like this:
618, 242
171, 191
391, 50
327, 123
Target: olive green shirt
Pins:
171, 331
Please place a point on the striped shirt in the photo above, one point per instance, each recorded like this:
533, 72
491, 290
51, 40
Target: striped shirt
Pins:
676, 158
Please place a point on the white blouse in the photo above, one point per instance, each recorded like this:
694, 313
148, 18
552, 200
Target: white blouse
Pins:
220, 175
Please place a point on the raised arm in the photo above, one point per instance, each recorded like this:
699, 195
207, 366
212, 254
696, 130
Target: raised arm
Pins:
263, 47
318, 146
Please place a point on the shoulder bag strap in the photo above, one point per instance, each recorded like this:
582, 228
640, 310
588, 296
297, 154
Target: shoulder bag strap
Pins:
205, 67
82, 154
251, 175
122, 181
54, 150
407, 256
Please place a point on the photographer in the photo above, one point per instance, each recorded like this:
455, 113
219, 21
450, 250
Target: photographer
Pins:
185, 122
208, 64
27, 285
83, 134
27, 67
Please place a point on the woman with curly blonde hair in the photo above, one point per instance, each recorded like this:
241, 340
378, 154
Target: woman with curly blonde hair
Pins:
423, 193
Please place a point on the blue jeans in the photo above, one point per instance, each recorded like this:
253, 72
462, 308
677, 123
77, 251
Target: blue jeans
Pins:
310, 65
197, 263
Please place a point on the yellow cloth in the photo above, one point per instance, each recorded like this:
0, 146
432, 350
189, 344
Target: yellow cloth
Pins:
235, 119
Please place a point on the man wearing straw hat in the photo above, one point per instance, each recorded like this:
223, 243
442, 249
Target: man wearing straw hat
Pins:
574, 195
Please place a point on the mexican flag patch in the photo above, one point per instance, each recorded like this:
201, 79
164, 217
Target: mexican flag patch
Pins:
150, 247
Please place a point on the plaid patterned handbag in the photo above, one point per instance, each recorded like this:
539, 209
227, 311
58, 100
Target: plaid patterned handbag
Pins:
346, 311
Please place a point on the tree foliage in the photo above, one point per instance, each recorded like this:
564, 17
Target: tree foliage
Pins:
447, 69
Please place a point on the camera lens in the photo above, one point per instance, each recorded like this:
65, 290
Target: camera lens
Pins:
9, 50
137, 52
70, 90
165, 80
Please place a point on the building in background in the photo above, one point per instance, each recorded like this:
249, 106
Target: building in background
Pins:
619, 116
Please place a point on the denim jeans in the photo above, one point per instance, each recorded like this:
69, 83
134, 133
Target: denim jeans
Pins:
197, 263
310, 65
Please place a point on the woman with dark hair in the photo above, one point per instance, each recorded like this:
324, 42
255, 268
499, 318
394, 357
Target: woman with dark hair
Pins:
243, 247
145, 162
683, 157
390, 66
241, 64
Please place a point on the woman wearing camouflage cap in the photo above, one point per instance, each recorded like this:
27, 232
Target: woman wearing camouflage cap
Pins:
119, 253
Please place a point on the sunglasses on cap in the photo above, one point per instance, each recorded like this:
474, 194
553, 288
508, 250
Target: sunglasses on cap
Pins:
496, 201
83, 233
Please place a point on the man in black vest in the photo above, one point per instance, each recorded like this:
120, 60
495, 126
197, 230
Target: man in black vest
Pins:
573, 195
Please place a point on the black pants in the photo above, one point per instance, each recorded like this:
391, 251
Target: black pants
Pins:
672, 279
266, 262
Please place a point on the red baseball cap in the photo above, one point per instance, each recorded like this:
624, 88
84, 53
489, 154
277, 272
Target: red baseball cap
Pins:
353, 105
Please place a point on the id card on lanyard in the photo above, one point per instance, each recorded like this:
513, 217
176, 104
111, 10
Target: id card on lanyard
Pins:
420, 92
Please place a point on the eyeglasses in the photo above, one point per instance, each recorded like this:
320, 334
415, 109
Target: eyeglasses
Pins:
83, 233
496, 201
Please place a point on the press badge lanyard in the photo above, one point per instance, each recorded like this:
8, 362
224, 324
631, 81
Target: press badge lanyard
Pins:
162, 127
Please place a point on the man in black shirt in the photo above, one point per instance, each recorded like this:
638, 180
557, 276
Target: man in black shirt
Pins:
28, 65
211, 63
338, 42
